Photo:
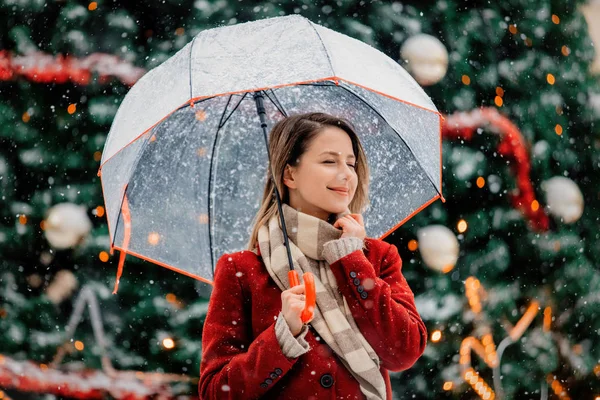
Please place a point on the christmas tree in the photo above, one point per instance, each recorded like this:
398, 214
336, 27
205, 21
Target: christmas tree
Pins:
506, 272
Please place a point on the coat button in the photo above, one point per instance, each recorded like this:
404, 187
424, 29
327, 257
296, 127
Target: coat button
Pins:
273, 375
352, 274
363, 295
268, 381
326, 381
278, 371
356, 281
360, 288
264, 385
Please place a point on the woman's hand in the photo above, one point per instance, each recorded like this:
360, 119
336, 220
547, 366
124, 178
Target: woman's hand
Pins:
293, 301
352, 225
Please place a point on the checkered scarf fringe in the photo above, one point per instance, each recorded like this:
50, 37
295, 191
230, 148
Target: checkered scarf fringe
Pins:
332, 317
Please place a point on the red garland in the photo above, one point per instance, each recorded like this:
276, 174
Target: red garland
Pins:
28, 376
512, 146
44, 68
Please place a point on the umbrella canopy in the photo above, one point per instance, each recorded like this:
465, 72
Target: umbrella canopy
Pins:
186, 146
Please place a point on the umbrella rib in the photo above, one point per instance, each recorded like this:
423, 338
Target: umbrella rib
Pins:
224, 110
324, 47
276, 103
400, 136
210, 178
190, 65
232, 111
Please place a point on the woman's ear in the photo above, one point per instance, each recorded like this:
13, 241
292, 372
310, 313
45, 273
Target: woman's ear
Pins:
288, 177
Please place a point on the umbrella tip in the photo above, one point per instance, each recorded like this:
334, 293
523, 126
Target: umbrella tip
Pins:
442, 198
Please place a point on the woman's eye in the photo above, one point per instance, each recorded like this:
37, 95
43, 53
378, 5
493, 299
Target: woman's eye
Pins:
332, 161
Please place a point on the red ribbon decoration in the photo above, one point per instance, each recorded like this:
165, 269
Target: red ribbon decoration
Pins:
44, 68
512, 146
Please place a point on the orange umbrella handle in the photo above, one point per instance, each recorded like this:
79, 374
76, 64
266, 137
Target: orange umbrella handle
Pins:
309, 289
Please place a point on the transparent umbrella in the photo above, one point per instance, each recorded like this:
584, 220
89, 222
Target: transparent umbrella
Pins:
185, 161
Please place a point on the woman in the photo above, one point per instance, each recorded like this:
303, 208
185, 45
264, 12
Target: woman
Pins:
254, 344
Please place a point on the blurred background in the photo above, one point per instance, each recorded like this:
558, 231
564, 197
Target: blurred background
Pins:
506, 273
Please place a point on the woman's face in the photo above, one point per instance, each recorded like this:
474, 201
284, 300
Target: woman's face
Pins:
325, 180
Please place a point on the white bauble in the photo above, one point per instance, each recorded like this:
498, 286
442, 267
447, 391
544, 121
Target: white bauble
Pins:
426, 58
438, 246
563, 198
66, 225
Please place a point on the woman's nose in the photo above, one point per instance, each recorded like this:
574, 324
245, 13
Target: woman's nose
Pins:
346, 173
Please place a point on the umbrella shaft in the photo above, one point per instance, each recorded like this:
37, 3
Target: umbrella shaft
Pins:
260, 109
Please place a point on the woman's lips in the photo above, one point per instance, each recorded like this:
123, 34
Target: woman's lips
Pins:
341, 192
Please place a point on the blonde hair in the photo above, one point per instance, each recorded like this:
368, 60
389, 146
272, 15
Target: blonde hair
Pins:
288, 141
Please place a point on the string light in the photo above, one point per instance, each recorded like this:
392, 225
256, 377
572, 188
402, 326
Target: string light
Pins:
473, 287
180, 31
547, 319
517, 331
26, 117
79, 345
72, 108
535, 205
413, 245
99, 211
97, 156
491, 357
499, 91
479, 385
513, 29
448, 386
447, 268
103, 256
558, 129
550, 79
565, 50
23, 219
480, 182
92, 6
485, 349
436, 336
466, 80
498, 101
557, 388
462, 226
168, 343
555, 19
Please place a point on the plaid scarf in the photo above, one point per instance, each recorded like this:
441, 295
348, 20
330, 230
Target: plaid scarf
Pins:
332, 316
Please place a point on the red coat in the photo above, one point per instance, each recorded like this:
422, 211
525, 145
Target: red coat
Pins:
242, 358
